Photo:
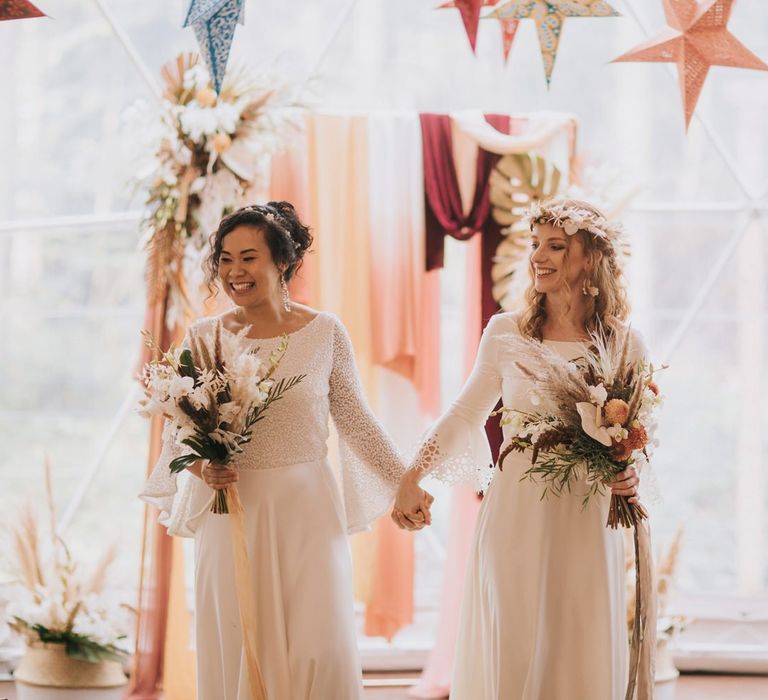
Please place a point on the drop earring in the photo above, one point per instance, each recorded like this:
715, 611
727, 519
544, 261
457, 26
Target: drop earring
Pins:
589, 291
284, 293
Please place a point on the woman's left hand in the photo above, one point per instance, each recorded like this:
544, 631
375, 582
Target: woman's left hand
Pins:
412, 504
626, 483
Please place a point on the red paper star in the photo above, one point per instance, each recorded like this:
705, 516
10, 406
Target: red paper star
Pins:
696, 39
18, 9
470, 15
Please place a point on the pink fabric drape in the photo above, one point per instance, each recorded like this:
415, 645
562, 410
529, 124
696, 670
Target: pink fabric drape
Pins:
289, 181
404, 297
435, 680
445, 212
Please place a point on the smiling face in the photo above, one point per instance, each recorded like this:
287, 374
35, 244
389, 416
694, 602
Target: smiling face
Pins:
557, 260
247, 272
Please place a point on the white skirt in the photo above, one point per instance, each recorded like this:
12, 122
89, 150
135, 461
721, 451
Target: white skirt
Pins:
302, 577
544, 614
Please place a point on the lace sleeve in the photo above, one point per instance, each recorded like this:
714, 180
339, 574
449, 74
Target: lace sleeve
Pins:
456, 449
181, 498
371, 464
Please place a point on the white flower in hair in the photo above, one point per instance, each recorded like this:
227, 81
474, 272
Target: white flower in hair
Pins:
572, 218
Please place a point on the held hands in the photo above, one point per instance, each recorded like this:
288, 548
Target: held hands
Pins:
412, 505
626, 483
218, 476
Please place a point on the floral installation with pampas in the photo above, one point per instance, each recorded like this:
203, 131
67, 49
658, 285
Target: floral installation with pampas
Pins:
209, 155
54, 603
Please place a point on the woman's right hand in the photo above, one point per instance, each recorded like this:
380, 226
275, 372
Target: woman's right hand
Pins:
218, 476
412, 504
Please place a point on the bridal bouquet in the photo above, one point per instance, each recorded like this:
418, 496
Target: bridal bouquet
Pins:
213, 394
596, 418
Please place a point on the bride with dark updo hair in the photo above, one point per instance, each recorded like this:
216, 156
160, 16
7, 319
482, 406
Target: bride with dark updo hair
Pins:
296, 518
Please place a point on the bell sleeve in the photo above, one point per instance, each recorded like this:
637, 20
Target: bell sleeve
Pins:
455, 449
371, 464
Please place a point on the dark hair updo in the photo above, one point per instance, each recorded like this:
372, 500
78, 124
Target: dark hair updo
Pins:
288, 239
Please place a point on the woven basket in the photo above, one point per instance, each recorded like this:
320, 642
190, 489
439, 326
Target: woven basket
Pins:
48, 665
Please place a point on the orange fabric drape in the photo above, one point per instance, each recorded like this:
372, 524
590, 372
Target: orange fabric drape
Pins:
404, 303
289, 181
338, 209
390, 607
179, 668
337, 172
406, 335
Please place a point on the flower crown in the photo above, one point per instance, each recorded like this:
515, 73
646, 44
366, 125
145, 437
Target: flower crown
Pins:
573, 218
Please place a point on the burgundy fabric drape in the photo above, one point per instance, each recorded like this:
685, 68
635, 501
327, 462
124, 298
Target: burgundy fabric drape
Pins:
445, 215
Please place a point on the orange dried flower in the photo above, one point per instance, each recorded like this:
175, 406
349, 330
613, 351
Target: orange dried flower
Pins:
205, 97
654, 387
621, 451
616, 411
635, 440
221, 142
637, 437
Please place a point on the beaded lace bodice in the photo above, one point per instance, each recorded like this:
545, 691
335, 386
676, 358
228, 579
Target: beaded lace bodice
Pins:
296, 429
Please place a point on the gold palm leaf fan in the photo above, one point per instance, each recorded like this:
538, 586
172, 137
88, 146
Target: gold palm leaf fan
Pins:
518, 180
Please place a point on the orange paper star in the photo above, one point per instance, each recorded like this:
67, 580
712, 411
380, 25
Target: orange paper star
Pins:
696, 39
470, 15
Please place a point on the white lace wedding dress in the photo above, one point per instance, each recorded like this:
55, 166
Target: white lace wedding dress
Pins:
296, 523
543, 616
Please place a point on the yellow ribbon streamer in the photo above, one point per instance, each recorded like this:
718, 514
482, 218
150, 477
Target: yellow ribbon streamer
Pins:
245, 588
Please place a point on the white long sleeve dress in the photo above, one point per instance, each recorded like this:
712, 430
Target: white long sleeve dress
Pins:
543, 616
296, 524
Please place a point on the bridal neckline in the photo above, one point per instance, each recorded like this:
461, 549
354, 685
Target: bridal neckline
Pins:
277, 337
566, 342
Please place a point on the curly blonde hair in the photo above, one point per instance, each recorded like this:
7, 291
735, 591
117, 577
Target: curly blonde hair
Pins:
604, 272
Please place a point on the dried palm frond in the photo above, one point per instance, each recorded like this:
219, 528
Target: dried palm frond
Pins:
667, 567
218, 361
26, 547
173, 75
607, 356
50, 503
517, 181
163, 252
557, 381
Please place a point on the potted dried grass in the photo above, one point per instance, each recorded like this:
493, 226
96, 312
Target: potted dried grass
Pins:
74, 632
